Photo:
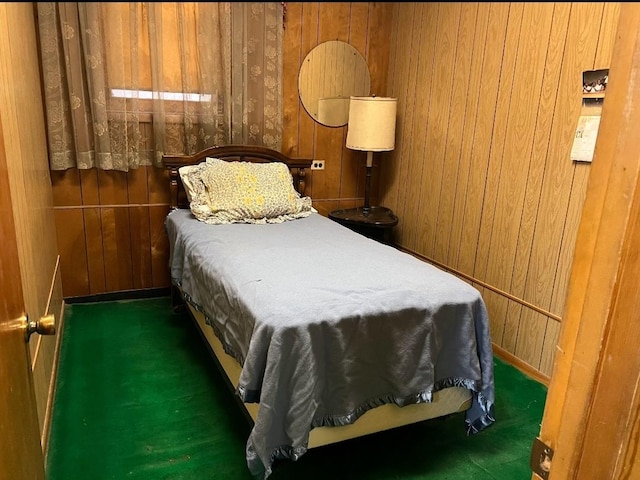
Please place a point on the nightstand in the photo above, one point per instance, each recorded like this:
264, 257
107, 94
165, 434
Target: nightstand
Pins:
377, 224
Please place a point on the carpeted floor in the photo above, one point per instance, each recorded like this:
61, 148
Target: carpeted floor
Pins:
138, 397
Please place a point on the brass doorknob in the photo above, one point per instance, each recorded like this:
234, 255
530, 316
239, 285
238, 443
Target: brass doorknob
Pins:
46, 325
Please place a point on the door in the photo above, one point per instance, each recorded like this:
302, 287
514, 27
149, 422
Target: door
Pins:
591, 421
20, 451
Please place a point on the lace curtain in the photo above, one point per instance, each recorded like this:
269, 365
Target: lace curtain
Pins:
125, 83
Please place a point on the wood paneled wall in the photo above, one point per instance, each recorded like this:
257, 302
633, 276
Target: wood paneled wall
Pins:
111, 224
111, 232
488, 99
365, 26
489, 96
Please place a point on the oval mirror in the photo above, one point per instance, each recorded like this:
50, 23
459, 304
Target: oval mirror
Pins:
330, 74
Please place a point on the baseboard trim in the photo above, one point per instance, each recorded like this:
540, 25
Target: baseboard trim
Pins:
524, 367
121, 295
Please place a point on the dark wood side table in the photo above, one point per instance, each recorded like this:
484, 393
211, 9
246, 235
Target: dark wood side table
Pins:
376, 223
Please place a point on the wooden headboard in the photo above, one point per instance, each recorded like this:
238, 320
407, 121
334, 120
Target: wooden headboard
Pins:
238, 153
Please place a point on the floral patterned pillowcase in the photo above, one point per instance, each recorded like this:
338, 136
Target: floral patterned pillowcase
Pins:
224, 192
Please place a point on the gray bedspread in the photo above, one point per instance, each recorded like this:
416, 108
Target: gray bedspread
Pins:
327, 324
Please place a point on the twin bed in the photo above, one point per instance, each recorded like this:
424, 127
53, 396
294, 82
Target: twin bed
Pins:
323, 334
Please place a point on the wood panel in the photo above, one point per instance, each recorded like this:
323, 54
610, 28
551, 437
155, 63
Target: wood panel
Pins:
427, 16
481, 145
116, 240
308, 40
141, 247
411, 34
402, 34
157, 181
73, 253
25, 144
159, 246
490, 207
508, 223
455, 132
292, 49
476, 79
581, 44
352, 176
94, 239
438, 124
334, 20
494, 194
513, 228
545, 114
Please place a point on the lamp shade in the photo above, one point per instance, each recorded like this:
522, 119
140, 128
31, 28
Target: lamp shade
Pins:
372, 123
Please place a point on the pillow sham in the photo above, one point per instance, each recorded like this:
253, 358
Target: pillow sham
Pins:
244, 192
186, 180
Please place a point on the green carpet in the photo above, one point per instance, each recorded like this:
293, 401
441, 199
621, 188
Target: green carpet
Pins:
138, 397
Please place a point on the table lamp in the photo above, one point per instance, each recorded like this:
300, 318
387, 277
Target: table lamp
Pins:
371, 128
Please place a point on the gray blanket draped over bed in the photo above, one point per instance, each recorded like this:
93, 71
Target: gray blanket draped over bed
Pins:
327, 324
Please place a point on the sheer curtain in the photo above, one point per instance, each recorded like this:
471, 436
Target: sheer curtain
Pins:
125, 83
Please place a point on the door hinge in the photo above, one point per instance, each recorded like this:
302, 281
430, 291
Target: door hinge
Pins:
541, 456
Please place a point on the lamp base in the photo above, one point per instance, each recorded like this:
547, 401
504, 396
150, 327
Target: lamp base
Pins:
373, 222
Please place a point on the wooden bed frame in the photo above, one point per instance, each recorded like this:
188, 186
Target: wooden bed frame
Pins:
445, 402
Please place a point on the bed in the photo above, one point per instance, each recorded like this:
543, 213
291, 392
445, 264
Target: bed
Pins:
323, 334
